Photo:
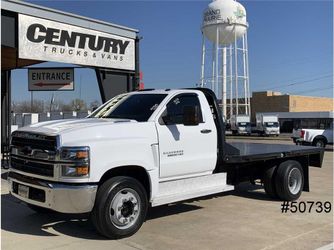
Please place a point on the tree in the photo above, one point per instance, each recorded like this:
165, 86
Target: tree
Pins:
79, 105
26, 107
94, 104
40, 106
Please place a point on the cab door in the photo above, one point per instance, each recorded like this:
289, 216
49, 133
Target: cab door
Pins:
186, 150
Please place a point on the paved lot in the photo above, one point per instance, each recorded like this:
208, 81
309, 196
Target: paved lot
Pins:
242, 219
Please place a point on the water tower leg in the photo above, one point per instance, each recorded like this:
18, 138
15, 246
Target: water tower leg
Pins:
231, 81
224, 82
217, 64
236, 76
247, 73
244, 75
213, 67
203, 61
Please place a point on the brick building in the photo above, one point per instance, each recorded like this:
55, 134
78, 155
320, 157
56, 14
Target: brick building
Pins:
270, 101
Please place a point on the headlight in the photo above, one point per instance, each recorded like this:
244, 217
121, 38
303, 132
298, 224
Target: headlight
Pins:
74, 153
75, 161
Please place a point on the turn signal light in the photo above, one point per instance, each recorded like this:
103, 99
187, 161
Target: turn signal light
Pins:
82, 154
83, 170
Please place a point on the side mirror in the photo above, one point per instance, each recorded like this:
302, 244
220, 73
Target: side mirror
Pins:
190, 116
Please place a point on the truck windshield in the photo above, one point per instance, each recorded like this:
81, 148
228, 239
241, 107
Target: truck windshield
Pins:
137, 107
107, 106
271, 124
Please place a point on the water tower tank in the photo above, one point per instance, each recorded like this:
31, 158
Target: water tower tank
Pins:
226, 18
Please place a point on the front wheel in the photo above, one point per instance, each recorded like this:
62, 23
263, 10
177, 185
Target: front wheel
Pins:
120, 207
289, 180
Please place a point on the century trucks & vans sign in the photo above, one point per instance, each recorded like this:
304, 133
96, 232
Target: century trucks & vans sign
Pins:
47, 40
50, 79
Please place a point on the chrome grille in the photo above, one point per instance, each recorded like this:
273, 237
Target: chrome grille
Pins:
32, 167
33, 153
35, 141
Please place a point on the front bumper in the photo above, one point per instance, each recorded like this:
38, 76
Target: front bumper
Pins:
60, 197
271, 132
243, 132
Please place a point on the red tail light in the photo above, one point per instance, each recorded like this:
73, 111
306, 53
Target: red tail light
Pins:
302, 133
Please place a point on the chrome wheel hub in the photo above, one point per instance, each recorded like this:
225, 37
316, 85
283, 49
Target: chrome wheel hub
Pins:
295, 180
124, 208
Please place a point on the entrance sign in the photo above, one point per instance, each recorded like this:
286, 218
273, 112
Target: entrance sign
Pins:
51, 79
46, 40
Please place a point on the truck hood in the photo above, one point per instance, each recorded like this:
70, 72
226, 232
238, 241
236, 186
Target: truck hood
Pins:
61, 126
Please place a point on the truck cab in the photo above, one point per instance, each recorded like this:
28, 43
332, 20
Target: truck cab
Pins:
240, 125
267, 124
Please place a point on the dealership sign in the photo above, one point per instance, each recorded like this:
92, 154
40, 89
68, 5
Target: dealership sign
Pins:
47, 40
51, 79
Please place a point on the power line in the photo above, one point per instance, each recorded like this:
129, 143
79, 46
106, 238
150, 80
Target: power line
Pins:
316, 89
301, 82
300, 78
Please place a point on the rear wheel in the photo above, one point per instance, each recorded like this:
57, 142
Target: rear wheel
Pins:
289, 180
319, 142
269, 182
120, 207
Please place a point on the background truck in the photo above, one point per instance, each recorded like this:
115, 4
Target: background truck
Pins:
240, 125
267, 124
141, 149
314, 137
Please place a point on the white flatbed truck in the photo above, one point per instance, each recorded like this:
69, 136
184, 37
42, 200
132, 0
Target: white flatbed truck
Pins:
145, 148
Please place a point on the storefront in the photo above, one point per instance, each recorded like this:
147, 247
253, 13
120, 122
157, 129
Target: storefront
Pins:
32, 34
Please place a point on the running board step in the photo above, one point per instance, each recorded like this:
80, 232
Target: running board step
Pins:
185, 189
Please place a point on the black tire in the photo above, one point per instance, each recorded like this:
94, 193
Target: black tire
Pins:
104, 216
269, 182
319, 142
40, 210
289, 180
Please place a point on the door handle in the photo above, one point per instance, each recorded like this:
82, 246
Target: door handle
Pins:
206, 131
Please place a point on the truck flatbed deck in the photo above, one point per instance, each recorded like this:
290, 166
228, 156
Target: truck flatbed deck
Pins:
249, 152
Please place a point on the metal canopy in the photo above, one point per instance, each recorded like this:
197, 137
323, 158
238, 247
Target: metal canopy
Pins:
9, 44
66, 17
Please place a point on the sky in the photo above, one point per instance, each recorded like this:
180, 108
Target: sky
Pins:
290, 45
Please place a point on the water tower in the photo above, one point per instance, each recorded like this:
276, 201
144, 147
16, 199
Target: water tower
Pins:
225, 55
